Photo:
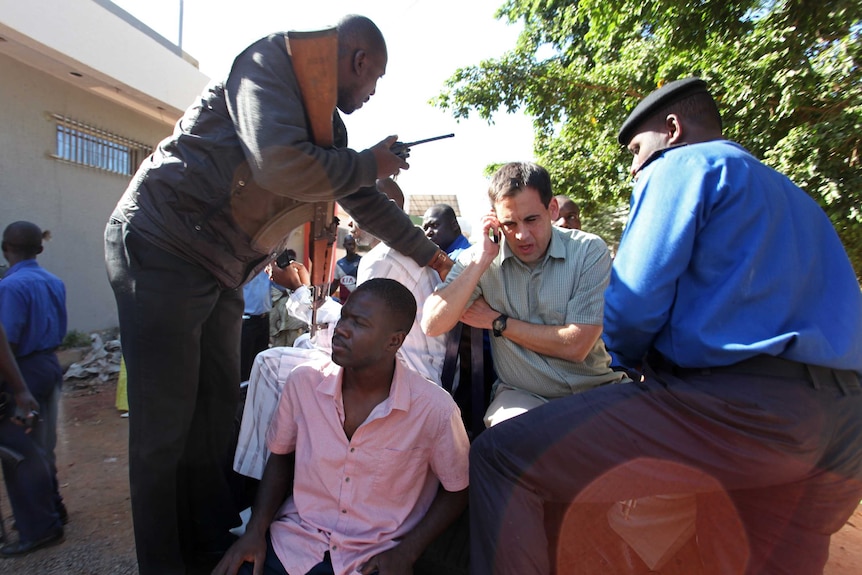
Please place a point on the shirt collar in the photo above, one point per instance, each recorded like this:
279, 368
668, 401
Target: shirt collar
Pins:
28, 263
556, 249
399, 391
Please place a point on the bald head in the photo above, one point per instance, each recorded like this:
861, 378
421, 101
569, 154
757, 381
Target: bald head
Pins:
362, 61
22, 240
441, 225
359, 33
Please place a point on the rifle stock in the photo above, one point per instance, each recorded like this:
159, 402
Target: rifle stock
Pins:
315, 62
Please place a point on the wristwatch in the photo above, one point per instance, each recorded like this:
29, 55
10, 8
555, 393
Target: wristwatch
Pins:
499, 325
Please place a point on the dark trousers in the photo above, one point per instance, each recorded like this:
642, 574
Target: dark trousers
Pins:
180, 335
255, 339
775, 465
44, 377
32, 484
272, 565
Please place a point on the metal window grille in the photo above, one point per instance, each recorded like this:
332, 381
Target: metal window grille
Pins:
85, 145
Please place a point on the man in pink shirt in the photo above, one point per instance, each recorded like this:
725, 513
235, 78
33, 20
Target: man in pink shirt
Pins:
376, 454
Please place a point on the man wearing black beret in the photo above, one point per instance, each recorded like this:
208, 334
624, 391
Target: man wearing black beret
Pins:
733, 297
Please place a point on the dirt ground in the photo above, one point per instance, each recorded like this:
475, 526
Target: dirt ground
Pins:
93, 466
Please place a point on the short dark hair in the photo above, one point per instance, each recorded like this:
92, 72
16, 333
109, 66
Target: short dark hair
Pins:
24, 238
512, 178
444, 210
699, 108
399, 301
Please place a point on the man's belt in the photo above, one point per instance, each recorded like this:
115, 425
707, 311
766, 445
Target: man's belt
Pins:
264, 315
770, 366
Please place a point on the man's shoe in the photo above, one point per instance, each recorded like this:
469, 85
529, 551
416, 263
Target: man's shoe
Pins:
62, 512
25, 547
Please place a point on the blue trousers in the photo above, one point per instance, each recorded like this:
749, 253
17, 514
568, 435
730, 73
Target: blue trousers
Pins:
775, 465
180, 332
44, 377
32, 484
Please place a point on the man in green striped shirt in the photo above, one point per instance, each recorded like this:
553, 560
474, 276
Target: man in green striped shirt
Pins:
541, 292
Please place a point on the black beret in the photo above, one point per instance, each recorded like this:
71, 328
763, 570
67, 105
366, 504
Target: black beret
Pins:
667, 94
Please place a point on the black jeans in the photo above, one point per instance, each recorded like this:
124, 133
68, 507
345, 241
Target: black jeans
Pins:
255, 339
775, 465
180, 333
273, 566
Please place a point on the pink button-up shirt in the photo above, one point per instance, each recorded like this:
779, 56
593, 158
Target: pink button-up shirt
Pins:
357, 498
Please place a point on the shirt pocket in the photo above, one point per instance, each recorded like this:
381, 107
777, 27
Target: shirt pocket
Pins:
400, 471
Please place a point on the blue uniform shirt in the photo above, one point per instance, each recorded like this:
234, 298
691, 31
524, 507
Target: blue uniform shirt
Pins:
458, 245
722, 259
257, 295
32, 308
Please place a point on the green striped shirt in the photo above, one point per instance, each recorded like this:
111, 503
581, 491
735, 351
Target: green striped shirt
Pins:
567, 286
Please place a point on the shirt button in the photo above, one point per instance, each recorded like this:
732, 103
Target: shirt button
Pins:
344, 510
335, 547
347, 480
352, 449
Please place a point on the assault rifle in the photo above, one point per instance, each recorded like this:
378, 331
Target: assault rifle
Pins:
315, 62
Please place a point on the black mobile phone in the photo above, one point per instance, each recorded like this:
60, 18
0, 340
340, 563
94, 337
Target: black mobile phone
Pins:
494, 235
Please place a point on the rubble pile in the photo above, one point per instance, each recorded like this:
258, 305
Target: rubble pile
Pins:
102, 362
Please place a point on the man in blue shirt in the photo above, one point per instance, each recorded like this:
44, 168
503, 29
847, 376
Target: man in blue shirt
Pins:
732, 295
346, 269
33, 313
441, 227
257, 298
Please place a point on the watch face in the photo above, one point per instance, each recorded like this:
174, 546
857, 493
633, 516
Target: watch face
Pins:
498, 325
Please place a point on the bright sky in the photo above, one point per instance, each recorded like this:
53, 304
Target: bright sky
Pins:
427, 41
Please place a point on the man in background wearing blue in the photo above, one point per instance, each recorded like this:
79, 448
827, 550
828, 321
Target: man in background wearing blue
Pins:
346, 269
257, 297
33, 313
441, 227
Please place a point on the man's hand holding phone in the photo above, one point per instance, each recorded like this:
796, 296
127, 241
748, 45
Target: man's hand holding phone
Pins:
493, 236
26, 410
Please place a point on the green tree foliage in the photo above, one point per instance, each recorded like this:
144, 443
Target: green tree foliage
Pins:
786, 75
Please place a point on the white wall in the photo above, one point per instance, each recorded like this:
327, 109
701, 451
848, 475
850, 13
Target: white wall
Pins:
106, 49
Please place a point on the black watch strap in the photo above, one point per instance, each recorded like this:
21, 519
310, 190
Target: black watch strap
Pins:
499, 325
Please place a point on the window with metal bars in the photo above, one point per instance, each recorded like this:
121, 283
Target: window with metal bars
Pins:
85, 145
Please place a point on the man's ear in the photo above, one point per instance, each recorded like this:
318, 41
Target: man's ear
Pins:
674, 129
554, 207
359, 61
396, 340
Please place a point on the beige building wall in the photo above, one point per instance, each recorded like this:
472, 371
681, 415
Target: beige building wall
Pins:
88, 61
72, 201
